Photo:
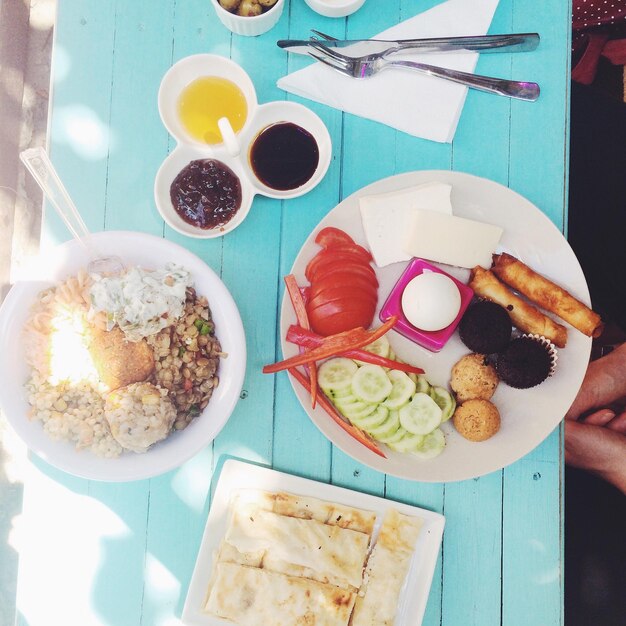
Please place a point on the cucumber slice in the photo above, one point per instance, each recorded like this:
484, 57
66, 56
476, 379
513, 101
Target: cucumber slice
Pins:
379, 347
399, 434
336, 374
432, 445
371, 383
345, 395
409, 443
445, 401
373, 420
356, 410
421, 384
388, 428
402, 390
421, 416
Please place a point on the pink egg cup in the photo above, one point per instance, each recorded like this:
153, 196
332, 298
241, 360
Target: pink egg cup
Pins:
431, 340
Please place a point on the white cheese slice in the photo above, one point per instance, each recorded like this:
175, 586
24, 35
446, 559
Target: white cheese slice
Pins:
451, 240
387, 217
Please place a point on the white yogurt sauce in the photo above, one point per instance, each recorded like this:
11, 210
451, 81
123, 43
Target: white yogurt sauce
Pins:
141, 302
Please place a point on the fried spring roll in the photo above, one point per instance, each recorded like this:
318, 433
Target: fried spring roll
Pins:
523, 315
546, 294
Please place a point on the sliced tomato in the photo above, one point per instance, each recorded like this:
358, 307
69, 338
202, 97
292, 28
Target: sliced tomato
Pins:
348, 294
328, 259
331, 236
343, 281
363, 271
325, 323
352, 248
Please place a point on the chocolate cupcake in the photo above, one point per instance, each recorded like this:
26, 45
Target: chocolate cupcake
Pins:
486, 327
526, 362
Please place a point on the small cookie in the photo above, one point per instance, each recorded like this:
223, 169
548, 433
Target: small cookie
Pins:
477, 420
473, 377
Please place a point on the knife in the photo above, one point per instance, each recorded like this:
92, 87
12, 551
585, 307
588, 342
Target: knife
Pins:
519, 42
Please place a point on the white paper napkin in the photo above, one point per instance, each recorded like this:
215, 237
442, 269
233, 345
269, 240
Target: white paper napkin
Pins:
403, 99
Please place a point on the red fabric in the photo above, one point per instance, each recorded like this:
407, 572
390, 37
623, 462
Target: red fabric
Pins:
599, 29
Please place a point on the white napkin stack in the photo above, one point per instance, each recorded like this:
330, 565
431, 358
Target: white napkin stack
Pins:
403, 99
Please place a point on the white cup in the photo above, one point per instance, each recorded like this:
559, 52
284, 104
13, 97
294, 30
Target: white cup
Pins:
249, 26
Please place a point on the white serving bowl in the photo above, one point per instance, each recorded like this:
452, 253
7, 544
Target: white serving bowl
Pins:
335, 8
149, 252
249, 26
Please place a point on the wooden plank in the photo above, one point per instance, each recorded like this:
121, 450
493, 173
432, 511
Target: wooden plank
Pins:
79, 124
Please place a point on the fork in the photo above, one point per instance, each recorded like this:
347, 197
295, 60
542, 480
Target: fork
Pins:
370, 64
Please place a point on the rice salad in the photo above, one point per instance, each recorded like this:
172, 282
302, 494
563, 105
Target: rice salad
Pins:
120, 362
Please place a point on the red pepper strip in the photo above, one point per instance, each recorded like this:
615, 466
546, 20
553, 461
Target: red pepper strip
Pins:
333, 345
354, 432
308, 339
297, 301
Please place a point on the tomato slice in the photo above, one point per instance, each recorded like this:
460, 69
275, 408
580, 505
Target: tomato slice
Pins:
346, 294
354, 248
343, 281
336, 321
331, 236
365, 272
329, 258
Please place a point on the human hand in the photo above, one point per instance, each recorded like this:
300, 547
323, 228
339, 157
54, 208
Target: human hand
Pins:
595, 433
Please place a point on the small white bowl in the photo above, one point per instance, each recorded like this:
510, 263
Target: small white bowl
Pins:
184, 72
335, 8
249, 26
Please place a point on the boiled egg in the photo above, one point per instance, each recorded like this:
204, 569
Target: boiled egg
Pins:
431, 301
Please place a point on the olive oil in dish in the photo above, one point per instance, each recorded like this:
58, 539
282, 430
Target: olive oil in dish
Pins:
205, 101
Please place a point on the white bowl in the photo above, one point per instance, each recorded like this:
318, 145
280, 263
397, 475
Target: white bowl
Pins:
184, 72
249, 26
135, 249
335, 8
235, 151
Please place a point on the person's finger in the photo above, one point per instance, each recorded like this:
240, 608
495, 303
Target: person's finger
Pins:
618, 423
599, 418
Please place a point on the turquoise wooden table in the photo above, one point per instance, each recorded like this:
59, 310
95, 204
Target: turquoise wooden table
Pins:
123, 554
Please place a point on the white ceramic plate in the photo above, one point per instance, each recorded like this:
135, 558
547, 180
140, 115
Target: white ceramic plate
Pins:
239, 475
528, 416
149, 252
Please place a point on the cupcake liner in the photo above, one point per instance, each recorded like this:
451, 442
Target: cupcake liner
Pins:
550, 347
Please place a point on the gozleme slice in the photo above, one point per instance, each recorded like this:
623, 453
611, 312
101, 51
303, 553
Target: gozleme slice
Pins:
386, 570
250, 596
387, 217
333, 552
305, 507
452, 240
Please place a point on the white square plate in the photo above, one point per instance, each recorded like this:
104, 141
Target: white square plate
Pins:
239, 475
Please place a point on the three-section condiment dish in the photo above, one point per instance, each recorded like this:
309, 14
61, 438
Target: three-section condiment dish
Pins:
234, 151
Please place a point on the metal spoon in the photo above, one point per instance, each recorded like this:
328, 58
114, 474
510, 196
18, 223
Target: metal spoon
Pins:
39, 165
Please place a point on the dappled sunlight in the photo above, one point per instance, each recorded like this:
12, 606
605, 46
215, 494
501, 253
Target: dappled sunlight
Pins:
192, 480
43, 17
83, 131
71, 538
162, 589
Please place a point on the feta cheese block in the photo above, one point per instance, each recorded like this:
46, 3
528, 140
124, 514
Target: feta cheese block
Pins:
387, 217
452, 240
